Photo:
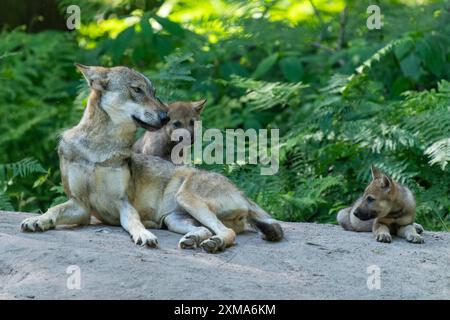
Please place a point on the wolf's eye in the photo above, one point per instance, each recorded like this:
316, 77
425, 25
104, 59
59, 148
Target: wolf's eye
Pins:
137, 90
370, 199
177, 124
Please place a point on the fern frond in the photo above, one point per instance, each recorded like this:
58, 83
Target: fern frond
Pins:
262, 95
23, 167
176, 68
5, 203
439, 153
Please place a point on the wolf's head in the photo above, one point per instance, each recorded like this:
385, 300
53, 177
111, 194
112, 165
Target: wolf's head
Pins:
127, 96
378, 198
183, 115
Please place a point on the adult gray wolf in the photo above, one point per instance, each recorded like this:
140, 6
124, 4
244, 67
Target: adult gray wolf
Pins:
94, 155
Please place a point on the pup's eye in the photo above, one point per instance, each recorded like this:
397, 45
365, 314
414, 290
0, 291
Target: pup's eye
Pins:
137, 90
177, 124
370, 199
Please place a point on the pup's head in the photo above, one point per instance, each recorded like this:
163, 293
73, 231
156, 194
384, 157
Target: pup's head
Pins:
127, 96
183, 115
378, 197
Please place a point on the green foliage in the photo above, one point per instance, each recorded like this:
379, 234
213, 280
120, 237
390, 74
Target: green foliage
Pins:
21, 168
9, 172
37, 87
344, 97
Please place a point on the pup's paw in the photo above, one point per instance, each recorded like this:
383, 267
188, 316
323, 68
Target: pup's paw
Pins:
414, 238
145, 237
39, 223
213, 244
418, 227
384, 237
188, 241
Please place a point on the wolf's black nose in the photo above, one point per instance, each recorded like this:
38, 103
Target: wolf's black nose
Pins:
163, 117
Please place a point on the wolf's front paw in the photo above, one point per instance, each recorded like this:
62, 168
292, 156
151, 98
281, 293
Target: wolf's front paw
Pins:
384, 237
37, 224
145, 237
414, 238
213, 244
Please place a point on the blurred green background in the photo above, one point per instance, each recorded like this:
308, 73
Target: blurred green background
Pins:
343, 96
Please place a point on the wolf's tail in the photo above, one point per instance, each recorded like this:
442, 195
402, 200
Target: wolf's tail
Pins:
262, 221
343, 218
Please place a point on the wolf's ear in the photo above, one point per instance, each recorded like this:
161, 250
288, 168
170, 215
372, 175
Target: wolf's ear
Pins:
96, 77
376, 174
198, 105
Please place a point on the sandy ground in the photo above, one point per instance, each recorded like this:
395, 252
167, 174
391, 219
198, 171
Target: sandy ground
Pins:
313, 262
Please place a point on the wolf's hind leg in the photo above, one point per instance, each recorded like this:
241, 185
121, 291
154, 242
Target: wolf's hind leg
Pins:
69, 212
197, 208
183, 223
409, 232
268, 226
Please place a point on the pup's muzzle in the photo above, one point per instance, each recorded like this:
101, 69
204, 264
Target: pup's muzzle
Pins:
364, 215
163, 117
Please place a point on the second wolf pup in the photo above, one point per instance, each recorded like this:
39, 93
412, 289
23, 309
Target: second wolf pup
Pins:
386, 208
183, 115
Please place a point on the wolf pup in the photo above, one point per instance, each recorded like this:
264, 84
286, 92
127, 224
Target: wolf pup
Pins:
94, 155
386, 208
183, 115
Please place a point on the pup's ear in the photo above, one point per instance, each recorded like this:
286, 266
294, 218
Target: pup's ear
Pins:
387, 184
376, 174
198, 105
96, 77
172, 105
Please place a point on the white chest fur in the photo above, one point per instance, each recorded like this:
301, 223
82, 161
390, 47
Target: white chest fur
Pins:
101, 189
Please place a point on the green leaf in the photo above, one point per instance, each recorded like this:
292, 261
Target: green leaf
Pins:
400, 85
41, 180
432, 54
170, 26
402, 48
411, 67
121, 43
265, 65
291, 68
230, 68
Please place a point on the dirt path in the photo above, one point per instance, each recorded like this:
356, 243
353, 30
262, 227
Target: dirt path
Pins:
313, 262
